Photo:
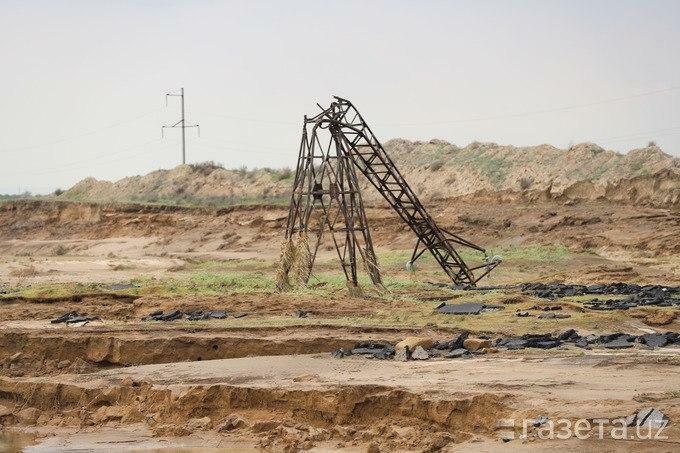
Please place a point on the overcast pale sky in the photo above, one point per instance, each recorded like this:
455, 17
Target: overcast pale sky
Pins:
83, 82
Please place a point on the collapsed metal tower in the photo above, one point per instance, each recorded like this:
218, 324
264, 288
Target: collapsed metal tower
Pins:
326, 195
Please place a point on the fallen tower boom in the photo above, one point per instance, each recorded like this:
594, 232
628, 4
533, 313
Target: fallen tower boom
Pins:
362, 146
355, 142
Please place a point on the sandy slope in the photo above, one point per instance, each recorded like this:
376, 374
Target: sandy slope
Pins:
435, 169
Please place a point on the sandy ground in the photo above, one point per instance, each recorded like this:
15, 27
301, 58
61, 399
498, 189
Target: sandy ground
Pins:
461, 399
50, 242
267, 381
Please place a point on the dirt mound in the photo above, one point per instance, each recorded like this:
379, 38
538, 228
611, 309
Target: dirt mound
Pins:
435, 169
584, 171
206, 183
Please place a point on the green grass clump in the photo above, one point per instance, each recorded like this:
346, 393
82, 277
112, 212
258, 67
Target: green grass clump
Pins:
533, 252
232, 265
50, 291
208, 284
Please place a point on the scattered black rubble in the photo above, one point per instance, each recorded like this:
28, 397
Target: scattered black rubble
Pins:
196, 315
473, 288
638, 295
301, 313
467, 308
454, 348
73, 317
203, 315
160, 315
374, 350
457, 353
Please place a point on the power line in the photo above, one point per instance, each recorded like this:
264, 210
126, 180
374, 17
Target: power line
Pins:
246, 150
643, 134
254, 120
181, 123
75, 137
482, 118
538, 112
98, 161
229, 143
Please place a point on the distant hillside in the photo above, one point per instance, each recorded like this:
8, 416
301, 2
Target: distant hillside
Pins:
438, 169
189, 184
435, 169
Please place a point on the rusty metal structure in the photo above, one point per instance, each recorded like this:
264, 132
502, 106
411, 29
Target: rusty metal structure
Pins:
326, 196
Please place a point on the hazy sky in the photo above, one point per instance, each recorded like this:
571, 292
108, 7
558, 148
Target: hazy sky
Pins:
83, 81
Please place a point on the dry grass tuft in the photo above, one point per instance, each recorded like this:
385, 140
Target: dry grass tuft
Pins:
371, 266
284, 265
302, 263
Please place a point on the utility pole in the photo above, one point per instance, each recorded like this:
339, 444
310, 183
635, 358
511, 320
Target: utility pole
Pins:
181, 123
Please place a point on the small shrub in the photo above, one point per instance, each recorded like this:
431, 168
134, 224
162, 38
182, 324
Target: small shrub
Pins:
205, 168
60, 250
525, 183
651, 144
285, 173
58, 192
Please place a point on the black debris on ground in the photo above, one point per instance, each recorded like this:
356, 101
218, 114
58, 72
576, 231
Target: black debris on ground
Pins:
655, 340
72, 317
567, 335
454, 348
457, 353
196, 315
301, 313
375, 350
467, 308
205, 315
553, 315
474, 288
455, 343
621, 343
160, 315
638, 295
340, 353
